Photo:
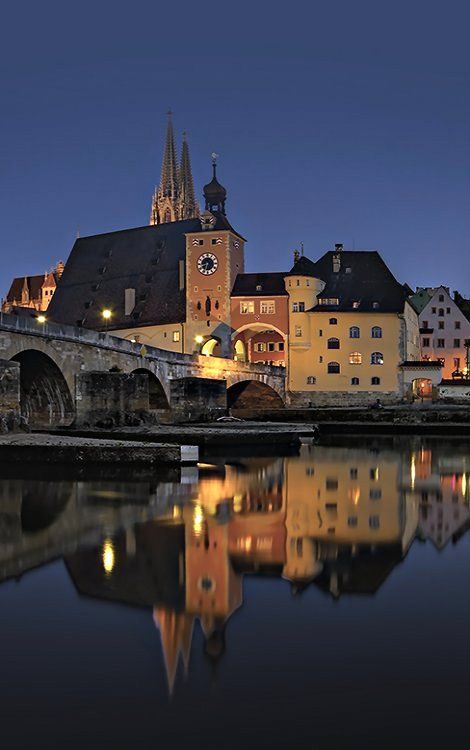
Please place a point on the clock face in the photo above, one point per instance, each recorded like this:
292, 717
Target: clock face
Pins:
207, 264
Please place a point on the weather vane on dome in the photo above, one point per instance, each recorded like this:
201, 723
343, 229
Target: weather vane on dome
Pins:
214, 158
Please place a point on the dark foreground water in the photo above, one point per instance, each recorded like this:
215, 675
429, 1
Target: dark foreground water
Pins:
321, 600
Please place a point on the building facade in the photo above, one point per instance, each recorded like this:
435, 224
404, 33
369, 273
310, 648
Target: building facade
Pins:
33, 292
444, 325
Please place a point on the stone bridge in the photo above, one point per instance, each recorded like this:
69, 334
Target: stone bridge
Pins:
57, 368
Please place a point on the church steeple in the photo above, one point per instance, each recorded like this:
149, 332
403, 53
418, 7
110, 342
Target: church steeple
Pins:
188, 208
215, 194
174, 198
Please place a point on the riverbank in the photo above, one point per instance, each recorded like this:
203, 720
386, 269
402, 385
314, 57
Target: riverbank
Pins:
49, 449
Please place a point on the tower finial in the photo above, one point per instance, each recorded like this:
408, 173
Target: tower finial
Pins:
164, 206
214, 193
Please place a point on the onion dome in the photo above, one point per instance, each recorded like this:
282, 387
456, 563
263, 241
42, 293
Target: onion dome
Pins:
215, 194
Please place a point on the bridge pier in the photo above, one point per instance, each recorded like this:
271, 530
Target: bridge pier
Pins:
9, 395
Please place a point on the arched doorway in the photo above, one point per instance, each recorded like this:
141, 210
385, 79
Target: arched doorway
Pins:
45, 399
422, 388
259, 343
157, 395
253, 394
211, 347
240, 351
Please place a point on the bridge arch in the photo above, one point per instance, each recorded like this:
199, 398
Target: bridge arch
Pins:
157, 396
45, 398
253, 394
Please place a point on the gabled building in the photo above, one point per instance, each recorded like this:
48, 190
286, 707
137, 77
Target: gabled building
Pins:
33, 292
444, 325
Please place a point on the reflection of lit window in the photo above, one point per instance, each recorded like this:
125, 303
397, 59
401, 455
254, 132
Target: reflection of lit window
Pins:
374, 474
108, 556
198, 519
354, 494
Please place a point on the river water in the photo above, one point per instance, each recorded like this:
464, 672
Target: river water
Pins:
320, 599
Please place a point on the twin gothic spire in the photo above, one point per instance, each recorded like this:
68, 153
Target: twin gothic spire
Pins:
174, 198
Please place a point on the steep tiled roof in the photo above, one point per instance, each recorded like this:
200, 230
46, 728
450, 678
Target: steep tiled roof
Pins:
363, 278
34, 287
100, 268
259, 285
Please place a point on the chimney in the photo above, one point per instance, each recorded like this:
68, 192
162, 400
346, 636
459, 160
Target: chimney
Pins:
337, 257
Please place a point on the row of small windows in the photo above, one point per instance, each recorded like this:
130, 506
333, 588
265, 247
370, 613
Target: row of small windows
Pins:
311, 379
456, 324
270, 346
355, 358
266, 307
441, 343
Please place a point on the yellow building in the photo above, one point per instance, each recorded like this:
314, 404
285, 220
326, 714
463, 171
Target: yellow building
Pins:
351, 326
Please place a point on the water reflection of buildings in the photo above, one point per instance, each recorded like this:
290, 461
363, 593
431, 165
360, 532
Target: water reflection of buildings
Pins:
341, 519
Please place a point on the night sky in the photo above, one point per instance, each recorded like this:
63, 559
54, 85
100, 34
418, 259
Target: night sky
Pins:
335, 122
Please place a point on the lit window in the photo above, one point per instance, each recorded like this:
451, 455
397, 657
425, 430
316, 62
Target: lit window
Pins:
311, 380
376, 358
176, 335
354, 381
375, 381
333, 343
333, 368
374, 473
375, 305
267, 307
260, 347
354, 332
247, 308
298, 307
376, 332
355, 358
355, 305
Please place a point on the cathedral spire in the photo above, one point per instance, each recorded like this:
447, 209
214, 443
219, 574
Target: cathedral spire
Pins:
165, 197
188, 208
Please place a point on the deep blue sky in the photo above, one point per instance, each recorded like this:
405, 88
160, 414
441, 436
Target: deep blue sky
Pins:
335, 122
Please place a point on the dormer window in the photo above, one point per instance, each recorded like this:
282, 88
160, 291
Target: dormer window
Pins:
329, 301
375, 305
355, 305
258, 287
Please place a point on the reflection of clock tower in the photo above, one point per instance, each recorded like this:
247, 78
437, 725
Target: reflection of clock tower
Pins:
214, 257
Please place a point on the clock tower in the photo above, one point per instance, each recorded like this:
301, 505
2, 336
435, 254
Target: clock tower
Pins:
214, 257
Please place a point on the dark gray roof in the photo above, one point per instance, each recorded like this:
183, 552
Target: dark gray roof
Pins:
34, 287
363, 278
100, 268
271, 284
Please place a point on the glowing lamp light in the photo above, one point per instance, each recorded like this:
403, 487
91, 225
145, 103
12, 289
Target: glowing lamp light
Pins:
106, 314
41, 318
108, 557
199, 339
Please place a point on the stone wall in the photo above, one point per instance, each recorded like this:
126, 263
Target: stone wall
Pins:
9, 395
197, 399
111, 399
305, 399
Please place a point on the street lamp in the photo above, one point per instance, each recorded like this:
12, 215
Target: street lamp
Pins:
41, 319
106, 314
